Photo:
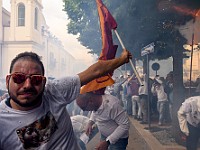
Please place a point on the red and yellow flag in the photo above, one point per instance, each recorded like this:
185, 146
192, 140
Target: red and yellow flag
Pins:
107, 23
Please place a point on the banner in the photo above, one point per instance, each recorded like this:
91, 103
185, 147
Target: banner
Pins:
107, 23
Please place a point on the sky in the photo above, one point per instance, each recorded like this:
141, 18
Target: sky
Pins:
57, 21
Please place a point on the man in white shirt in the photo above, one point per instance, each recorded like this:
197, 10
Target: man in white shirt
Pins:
158, 90
189, 121
143, 98
110, 117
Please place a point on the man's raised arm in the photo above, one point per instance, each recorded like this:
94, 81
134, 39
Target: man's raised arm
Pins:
103, 67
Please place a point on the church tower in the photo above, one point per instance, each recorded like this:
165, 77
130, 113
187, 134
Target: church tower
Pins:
25, 21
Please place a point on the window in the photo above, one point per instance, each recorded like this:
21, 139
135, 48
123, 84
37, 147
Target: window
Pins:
21, 15
36, 19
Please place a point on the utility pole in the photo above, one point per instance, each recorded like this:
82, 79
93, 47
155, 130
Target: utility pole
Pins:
145, 52
191, 63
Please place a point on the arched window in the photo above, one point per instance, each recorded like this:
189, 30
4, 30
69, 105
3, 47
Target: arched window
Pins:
36, 19
21, 15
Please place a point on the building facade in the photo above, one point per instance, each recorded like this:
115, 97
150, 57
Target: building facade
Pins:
24, 29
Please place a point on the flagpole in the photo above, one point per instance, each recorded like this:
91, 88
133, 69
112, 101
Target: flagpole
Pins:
135, 71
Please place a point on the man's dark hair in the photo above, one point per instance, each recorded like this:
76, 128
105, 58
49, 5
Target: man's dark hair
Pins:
27, 56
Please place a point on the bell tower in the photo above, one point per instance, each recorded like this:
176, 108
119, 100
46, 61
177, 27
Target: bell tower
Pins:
25, 20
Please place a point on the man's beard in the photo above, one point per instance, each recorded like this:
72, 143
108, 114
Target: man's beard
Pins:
33, 103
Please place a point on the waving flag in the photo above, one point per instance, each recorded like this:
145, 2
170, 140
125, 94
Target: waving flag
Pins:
107, 23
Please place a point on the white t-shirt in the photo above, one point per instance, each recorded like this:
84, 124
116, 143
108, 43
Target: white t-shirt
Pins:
111, 119
47, 127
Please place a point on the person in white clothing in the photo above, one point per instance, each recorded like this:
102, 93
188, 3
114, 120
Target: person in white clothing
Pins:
158, 89
136, 107
189, 121
143, 99
112, 120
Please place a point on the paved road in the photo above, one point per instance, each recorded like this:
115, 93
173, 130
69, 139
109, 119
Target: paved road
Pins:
135, 141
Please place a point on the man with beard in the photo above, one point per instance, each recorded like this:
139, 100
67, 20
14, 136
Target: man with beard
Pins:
31, 99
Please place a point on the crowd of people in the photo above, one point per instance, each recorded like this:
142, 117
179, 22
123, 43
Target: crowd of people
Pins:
135, 97
40, 114
159, 92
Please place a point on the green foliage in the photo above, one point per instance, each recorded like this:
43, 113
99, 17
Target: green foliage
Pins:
140, 22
